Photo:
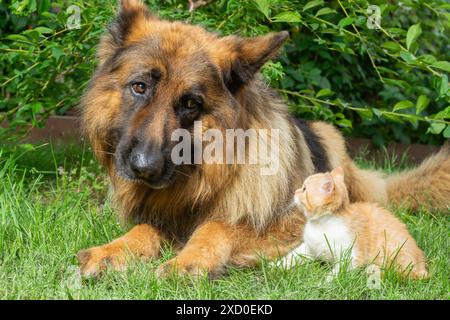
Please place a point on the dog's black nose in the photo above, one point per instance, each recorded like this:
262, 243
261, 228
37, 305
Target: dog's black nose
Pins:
147, 165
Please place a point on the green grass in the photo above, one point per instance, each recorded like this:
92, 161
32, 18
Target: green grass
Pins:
52, 204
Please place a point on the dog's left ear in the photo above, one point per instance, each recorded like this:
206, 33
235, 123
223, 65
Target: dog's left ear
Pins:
131, 5
131, 16
240, 58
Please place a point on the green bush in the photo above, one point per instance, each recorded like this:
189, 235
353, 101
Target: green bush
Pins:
387, 83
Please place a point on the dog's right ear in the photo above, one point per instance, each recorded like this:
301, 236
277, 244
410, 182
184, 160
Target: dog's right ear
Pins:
132, 15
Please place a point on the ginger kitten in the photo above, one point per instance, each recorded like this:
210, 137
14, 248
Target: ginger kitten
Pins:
366, 232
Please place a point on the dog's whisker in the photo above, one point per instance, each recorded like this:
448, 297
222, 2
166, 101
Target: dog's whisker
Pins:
105, 152
197, 166
183, 173
289, 207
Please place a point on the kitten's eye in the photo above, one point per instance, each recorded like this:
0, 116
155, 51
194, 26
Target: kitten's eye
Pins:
139, 88
303, 189
193, 104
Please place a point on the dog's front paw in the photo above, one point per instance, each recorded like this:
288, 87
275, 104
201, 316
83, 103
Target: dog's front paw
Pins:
186, 267
95, 260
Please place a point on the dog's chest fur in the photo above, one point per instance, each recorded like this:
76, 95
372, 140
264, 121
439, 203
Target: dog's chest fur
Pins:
328, 238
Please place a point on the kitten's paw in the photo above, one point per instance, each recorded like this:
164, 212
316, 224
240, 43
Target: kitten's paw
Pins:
286, 263
330, 278
333, 274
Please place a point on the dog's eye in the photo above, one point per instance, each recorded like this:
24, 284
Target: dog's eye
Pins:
139, 88
193, 104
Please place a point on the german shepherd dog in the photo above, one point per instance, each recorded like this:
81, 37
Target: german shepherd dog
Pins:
155, 76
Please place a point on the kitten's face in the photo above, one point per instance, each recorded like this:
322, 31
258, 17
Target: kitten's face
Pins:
321, 193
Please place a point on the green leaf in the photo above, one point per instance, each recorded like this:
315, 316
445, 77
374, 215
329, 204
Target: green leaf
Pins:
387, 70
427, 58
288, 16
393, 117
44, 5
392, 46
446, 132
413, 33
443, 88
404, 104
444, 114
365, 113
312, 4
345, 22
324, 11
377, 112
17, 37
443, 65
33, 34
436, 127
407, 56
36, 107
396, 31
422, 103
57, 52
44, 30
263, 6
324, 92
395, 82
345, 123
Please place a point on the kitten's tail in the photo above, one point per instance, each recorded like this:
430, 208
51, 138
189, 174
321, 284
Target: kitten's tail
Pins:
426, 186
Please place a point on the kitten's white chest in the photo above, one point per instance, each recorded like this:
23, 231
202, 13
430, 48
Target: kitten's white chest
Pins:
328, 238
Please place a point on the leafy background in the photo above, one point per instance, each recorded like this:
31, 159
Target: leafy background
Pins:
389, 83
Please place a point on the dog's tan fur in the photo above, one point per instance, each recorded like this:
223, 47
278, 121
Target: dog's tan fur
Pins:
224, 214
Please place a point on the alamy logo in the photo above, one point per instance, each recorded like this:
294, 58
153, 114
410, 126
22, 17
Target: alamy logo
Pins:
374, 18
74, 19
374, 277
236, 146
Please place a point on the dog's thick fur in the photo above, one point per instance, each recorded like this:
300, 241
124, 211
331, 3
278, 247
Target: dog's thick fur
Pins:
220, 214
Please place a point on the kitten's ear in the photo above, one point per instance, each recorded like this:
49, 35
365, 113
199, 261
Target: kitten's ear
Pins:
327, 186
338, 173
